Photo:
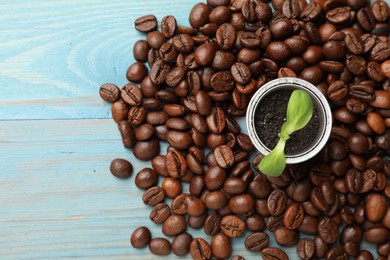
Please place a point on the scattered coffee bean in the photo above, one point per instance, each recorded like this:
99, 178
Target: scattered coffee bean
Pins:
202, 76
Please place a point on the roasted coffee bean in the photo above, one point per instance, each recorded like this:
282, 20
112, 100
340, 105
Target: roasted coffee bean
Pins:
336, 253
255, 223
241, 73
224, 156
171, 187
109, 92
328, 230
200, 249
241, 204
375, 207
277, 201
212, 224
354, 44
199, 15
365, 19
271, 253
339, 16
223, 60
178, 204
131, 94
311, 12
221, 246
146, 23
140, 237
153, 196
146, 150
121, 168
159, 72
256, 242
331, 66
381, 99
222, 81
127, 133
285, 236
174, 225
160, 246
232, 226
157, 118
168, 26
160, 213
377, 235
337, 90
293, 217
306, 248
181, 244
356, 65
278, 51
279, 29
226, 36
179, 140
146, 178
215, 200
140, 50
119, 110
176, 164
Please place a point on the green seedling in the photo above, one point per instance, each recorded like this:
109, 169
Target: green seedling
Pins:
299, 113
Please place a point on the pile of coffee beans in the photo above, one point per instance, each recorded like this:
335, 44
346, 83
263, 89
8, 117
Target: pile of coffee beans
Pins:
200, 78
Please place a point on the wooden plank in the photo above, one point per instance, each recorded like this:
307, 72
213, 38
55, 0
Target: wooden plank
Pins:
54, 55
58, 198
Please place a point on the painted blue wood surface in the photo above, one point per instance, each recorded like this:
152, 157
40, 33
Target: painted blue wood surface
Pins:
57, 197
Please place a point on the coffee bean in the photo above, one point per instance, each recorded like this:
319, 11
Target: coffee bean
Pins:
270, 253
178, 204
241, 204
232, 226
174, 225
336, 253
140, 237
146, 178
179, 140
146, 150
159, 246
200, 249
221, 246
293, 216
109, 92
146, 23
127, 133
153, 196
224, 156
356, 65
159, 72
377, 235
140, 50
285, 236
328, 230
365, 19
339, 16
306, 248
131, 94
381, 99
171, 187
277, 201
181, 244
375, 207
256, 242
215, 200
160, 213
199, 15
176, 164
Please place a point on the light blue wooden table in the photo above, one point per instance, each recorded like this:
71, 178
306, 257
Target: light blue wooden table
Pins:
57, 138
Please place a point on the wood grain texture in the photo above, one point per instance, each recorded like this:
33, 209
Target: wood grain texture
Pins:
54, 55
